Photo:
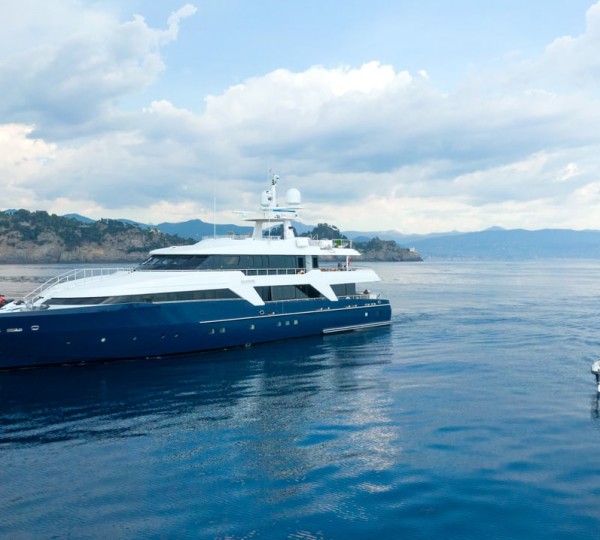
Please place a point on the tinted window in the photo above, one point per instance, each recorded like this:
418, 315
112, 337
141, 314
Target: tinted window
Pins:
344, 289
173, 262
216, 294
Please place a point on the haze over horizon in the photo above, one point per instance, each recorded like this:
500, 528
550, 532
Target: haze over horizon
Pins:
439, 116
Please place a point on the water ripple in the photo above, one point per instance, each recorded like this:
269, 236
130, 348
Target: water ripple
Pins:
473, 416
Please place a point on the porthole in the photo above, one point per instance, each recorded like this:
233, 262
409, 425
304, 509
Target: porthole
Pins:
366, 313
295, 321
287, 323
211, 331
278, 323
103, 340
252, 327
35, 327
221, 330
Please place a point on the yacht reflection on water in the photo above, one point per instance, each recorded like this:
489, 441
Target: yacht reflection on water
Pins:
271, 424
127, 399
595, 406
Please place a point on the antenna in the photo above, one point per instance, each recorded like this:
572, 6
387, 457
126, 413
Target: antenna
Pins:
214, 206
214, 216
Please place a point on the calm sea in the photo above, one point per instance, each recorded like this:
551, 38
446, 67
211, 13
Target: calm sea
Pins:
474, 416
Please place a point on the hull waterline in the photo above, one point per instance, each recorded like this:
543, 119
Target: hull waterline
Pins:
140, 330
215, 294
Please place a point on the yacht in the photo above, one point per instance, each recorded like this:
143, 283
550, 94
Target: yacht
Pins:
219, 293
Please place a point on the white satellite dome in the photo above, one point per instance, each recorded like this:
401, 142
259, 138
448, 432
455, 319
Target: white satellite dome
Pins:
293, 197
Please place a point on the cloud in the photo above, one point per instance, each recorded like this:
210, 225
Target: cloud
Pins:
22, 158
568, 63
71, 84
370, 146
574, 59
174, 21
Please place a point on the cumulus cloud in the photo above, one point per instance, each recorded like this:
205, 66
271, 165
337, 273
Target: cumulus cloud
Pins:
73, 80
370, 146
568, 63
22, 158
574, 59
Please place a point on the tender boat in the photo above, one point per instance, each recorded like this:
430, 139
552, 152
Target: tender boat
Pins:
216, 294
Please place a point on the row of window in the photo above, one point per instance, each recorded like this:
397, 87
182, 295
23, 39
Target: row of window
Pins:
344, 289
215, 294
268, 294
223, 262
287, 292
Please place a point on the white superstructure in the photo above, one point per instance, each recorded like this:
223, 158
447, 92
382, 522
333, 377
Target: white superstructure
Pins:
150, 279
216, 294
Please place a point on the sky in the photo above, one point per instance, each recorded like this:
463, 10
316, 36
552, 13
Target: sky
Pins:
419, 117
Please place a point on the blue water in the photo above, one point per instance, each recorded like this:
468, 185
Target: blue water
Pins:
474, 416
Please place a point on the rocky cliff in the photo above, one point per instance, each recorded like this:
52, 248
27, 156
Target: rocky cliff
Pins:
38, 237
386, 250
373, 250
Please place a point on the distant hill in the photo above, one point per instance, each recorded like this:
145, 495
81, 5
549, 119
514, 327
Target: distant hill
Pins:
136, 223
38, 237
492, 244
79, 217
500, 244
386, 250
196, 229
371, 249
401, 239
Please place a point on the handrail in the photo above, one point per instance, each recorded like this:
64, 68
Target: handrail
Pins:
246, 271
258, 271
232, 236
323, 243
82, 273
73, 275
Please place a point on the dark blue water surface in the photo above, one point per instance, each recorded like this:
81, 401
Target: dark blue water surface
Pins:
474, 416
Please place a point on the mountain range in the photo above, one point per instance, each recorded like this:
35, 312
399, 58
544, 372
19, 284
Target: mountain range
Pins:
39, 237
498, 244
193, 228
490, 244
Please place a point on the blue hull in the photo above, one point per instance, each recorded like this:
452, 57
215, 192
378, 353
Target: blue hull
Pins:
111, 332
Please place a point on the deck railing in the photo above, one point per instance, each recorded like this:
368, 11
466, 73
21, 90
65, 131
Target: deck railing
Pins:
82, 273
256, 271
73, 275
323, 243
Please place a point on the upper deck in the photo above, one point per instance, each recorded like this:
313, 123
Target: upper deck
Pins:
237, 245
